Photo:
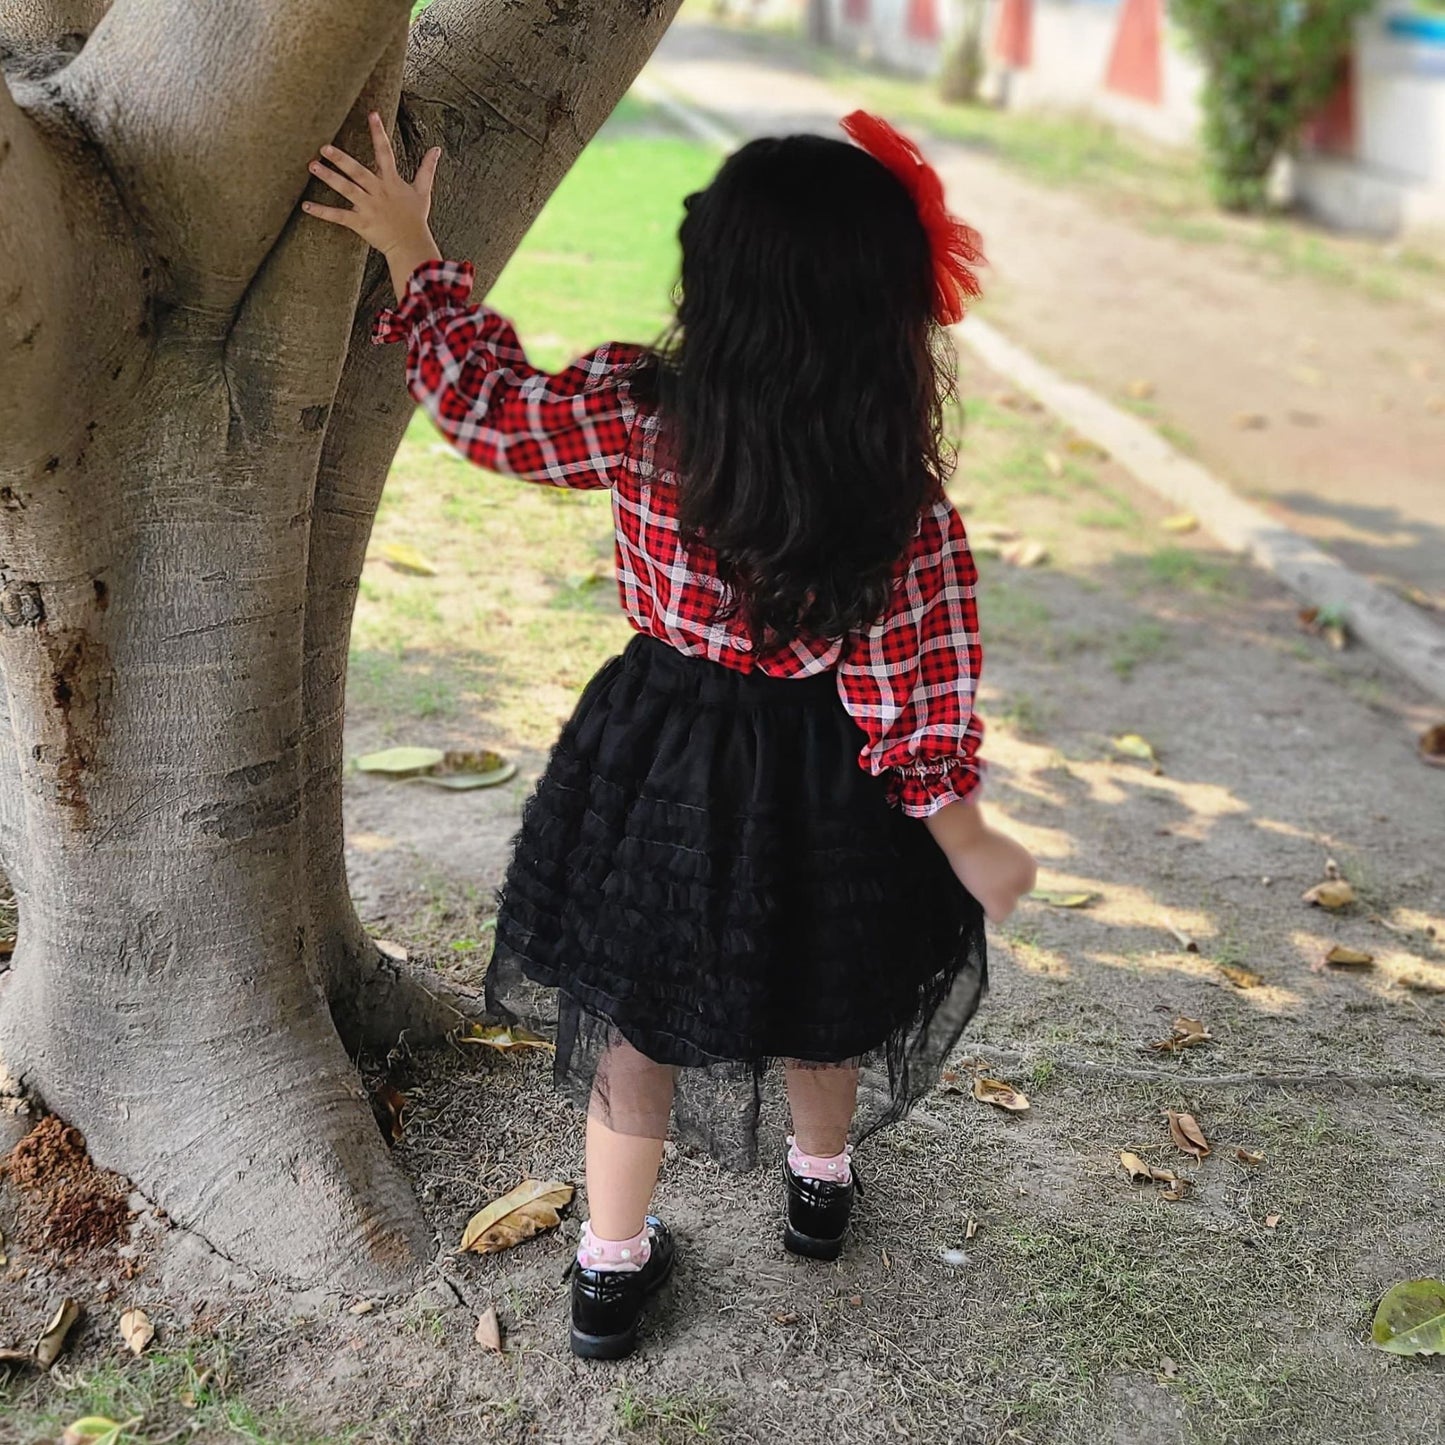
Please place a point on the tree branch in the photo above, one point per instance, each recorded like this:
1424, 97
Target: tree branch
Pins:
511, 131
61, 310
281, 75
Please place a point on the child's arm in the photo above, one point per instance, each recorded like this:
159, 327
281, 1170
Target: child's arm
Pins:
909, 683
465, 365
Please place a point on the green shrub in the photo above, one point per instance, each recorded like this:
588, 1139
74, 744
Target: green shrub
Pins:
1271, 64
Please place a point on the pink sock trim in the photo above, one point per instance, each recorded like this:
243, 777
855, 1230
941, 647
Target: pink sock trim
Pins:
623, 1256
832, 1168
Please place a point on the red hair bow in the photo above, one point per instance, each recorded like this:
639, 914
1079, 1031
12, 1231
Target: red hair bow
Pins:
957, 248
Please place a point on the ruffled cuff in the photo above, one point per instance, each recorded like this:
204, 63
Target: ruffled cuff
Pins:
926, 787
434, 286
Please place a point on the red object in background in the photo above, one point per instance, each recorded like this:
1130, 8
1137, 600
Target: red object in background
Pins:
855, 12
1136, 64
1013, 38
923, 20
1333, 129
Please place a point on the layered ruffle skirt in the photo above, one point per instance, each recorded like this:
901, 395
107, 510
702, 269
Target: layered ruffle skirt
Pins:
705, 873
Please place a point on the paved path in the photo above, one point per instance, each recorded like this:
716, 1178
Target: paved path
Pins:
1351, 390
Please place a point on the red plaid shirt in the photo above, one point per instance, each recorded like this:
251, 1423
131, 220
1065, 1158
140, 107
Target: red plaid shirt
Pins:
908, 680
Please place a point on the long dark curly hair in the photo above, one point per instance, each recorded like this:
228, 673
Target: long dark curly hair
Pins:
803, 385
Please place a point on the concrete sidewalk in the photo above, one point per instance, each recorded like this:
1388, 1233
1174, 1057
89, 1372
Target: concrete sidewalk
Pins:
1323, 405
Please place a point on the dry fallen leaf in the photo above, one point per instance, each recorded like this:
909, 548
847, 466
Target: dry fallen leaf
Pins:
1187, 1034
1248, 1157
1251, 420
1351, 957
489, 1330
1168, 1368
1240, 977
1083, 447
970, 1229
1054, 464
995, 1091
1333, 894
505, 1038
52, 1339
136, 1330
1271, 1221
389, 950
390, 1105
1024, 554
1188, 1137
7, 946
1139, 1172
1177, 1190
524, 1211
785, 1317
1141, 390
1432, 746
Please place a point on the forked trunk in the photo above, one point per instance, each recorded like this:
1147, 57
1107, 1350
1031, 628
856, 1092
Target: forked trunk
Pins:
193, 440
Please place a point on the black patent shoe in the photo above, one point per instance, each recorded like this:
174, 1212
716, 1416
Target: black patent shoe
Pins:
607, 1304
818, 1212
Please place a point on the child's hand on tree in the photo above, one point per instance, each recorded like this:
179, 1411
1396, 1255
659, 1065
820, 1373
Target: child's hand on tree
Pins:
386, 211
993, 867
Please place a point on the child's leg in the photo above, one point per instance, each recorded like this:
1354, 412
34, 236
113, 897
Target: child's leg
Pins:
822, 1100
626, 1125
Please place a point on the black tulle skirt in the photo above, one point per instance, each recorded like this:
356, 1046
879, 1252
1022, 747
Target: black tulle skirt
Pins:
705, 873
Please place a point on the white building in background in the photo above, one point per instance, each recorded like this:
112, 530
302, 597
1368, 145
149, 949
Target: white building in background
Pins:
1374, 160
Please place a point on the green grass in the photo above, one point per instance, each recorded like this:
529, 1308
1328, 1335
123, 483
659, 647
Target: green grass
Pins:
665, 1419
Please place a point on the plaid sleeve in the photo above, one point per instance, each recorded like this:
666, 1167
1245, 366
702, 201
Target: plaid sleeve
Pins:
909, 680
466, 367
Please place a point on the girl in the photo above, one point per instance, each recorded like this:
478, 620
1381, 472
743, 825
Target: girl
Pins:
758, 837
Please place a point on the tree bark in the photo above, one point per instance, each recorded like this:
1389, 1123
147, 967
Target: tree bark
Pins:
190, 461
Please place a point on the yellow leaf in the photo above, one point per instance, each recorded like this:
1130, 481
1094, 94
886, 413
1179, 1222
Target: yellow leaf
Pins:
1353, 957
1181, 523
1132, 745
995, 1091
505, 1038
1177, 1190
1136, 1168
1241, 977
136, 1330
405, 558
1054, 464
1083, 447
1188, 1137
526, 1210
489, 1331
95, 1430
1141, 390
1333, 894
1063, 900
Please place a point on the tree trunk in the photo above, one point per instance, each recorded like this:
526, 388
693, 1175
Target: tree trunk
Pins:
194, 433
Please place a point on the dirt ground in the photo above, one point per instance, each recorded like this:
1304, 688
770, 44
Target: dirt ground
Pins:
1088, 1308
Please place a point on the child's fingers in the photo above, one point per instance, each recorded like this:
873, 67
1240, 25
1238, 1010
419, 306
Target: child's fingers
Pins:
350, 166
338, 183
426, 172
381, 144
337, 215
